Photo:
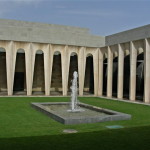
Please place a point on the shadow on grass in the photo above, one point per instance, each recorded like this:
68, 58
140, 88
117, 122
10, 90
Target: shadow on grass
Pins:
137, 138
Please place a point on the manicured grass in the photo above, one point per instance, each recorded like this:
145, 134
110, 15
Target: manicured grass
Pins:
22, 127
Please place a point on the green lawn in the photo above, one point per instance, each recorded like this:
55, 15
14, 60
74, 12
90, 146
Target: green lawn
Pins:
24, 128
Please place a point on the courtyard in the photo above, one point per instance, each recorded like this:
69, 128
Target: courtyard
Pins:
22, 127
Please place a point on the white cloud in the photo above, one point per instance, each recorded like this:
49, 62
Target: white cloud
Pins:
99, 13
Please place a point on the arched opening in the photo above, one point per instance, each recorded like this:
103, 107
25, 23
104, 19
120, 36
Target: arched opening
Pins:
105, 75
89, 76
3, 72
38, 77
73, 67
19, 87
140, 77
56, 81
126, 83
115, 76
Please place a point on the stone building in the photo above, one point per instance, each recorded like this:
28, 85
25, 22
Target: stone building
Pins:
39, 59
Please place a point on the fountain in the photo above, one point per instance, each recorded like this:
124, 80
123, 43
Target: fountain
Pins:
74, 101
75, 112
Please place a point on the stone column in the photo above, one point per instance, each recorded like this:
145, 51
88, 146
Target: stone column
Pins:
81, 69
95, 66
147, 71
14, 55
33, 61
28, 61
109, 72
9, 68
100, 75
120, 71
133, 61
65, 65
51, 51
47, 69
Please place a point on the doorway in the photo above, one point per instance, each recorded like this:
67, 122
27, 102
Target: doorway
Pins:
19, 81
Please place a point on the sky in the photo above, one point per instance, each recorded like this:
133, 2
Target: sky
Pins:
102, 17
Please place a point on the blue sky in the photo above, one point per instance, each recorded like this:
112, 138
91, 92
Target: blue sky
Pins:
102, 17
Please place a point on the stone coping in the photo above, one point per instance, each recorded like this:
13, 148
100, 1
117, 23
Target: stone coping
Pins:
110, 114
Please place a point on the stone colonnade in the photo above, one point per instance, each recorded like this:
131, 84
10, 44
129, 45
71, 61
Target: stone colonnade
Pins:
119, 51
30, 49
133, 49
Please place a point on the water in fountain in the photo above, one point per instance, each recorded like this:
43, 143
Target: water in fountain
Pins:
74, 101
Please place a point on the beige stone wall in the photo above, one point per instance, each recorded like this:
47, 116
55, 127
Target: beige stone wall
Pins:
38, 78
56, 81
73, 67
88, 74
20, 62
